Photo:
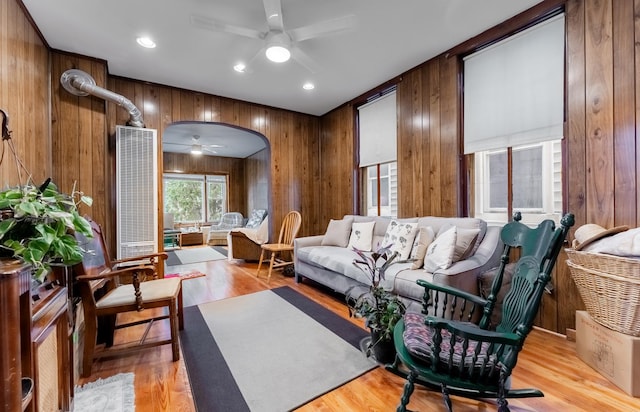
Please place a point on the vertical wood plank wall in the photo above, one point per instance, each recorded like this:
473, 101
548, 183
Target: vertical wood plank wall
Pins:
256, 178
312, 167
24, 96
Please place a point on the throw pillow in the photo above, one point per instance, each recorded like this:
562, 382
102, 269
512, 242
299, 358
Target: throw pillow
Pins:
257, 216
399, 237
421, 243
440, 252
337, 233
361, 235
465, 242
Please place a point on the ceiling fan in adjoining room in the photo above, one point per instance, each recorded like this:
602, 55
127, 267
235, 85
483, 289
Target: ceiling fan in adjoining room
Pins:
196, 147
280, 44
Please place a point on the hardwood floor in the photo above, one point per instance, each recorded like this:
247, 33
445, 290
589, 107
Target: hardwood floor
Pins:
548, 362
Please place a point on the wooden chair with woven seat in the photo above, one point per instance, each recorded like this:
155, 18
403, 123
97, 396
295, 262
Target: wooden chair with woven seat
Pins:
288, 232
104, 297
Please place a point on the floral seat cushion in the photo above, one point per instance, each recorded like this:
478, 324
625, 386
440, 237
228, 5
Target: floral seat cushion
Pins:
418, 339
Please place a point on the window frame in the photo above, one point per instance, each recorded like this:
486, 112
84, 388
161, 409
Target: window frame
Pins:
204, 180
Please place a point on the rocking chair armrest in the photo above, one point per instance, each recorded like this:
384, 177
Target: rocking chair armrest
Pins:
152, 258
472, 332
132, 270
453, 291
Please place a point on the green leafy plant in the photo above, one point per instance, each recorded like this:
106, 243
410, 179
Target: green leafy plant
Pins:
380, 309
37, 225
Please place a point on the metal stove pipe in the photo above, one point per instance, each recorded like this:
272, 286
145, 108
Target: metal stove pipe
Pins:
80, 83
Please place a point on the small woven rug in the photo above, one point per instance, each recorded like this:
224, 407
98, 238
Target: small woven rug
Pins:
190, 274
113, 394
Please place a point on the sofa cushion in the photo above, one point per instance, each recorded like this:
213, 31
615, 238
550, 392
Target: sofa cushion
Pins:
338, 232
335, 258
361, 235
399, 237
422, 241
440, 251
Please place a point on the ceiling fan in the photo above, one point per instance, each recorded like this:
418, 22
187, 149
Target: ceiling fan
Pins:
280, 44
197, 147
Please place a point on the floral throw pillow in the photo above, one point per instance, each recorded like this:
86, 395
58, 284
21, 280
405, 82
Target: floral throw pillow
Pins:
361, 235
399, 237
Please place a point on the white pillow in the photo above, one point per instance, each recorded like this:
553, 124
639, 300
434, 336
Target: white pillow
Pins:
440, 252
337, 233
399, 238
361, 235
465, 242
420, 244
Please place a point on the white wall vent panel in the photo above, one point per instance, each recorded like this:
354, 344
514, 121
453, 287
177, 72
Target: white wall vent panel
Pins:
136, 191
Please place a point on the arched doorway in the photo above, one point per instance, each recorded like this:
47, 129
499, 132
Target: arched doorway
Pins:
241, 155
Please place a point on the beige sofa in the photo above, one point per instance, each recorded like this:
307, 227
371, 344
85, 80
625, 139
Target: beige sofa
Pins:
332, 265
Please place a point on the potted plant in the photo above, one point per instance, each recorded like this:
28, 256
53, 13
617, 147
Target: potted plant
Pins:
380, 309
37, 225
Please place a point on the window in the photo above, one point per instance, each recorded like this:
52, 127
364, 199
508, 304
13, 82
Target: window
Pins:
383, 202
195, 198
377, 124
513, 123
537, 183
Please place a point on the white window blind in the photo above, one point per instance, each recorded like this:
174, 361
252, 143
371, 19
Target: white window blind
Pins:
378, 130
514, 90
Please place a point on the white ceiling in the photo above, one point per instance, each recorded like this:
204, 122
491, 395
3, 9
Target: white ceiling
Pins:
387, 39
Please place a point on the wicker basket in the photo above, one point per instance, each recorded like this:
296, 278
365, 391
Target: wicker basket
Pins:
610, 289
617, 265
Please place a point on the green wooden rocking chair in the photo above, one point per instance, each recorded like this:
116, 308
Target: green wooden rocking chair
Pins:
445, 350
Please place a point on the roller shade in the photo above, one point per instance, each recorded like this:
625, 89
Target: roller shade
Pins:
378, 130
514, 90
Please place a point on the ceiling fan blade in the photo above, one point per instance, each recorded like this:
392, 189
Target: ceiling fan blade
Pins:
304, 60
215, 25
323, 28
273, 11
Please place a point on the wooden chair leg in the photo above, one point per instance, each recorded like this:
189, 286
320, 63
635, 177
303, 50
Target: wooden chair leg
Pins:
173, 322
180, 310
90, 337
271, 262
409, 386
260, 262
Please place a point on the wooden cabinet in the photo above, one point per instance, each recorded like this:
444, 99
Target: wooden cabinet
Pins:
34, 342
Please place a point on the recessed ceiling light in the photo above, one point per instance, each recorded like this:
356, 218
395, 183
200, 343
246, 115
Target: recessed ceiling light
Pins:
146, 42
239, 67
308, 86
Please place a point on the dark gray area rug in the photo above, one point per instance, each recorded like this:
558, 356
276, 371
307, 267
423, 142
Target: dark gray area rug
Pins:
273, 350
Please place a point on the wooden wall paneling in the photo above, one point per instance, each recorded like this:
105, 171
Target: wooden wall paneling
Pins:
412, 143
336, 165
24, 91
278, 186
636, 7
98, 151
575, 168
624, 114
599, 113
450, 192
432, 122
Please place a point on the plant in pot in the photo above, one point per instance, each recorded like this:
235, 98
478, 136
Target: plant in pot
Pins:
380, 309
37, 222
37, 225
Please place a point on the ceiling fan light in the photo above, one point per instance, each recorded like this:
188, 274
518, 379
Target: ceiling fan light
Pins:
196, 149
278, 54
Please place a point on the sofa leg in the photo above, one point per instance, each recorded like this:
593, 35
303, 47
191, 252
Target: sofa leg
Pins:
298, 278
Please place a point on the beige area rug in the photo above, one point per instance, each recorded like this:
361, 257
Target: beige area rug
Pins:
113, 394
193, 255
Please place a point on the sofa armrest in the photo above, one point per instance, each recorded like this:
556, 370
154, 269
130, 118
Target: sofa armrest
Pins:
307, 241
